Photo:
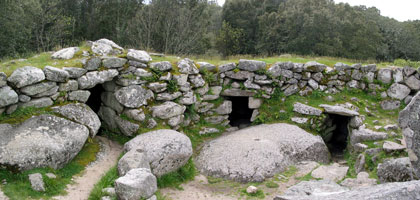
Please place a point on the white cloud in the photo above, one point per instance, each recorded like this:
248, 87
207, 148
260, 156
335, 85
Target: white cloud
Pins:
400, 10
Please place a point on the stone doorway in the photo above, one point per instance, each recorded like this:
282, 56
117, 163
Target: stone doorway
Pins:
241, 113
337, 134
94, 101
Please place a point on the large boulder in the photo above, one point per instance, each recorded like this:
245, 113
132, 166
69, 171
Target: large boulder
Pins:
65, 54
41, 141
251, 65
398, 91
166, 150
82, 114
168, 110
161, 66
410, 123
139, 56
187, 66
306, 110
104, 47
338, 110
24, 76
91, 79
313, 66
413, 82
136, 184
395, 170
133, 159
362, 134
38, 88
385, 75
133, 96
55, 74
389, 191
8, 96
259, 152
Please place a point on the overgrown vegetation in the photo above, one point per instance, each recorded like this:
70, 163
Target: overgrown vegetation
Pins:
18, 186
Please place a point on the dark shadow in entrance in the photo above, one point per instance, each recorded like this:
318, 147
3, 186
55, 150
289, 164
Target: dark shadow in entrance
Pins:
94, 100
241, 114
338, 142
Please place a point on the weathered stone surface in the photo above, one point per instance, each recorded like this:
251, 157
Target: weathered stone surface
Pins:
292, 89
55, 74
37, 182
359, 166
109, 99
241, 75
126, 127
24, 76
108, 117
408, 71
93, 64
215, 93
114, 62
41, 141
91, 79
385, 75
22, 98
250, 85
227, 67
161, 66
299, 120
71, 85
357, 121
251, 65
104, 47
205, 66
133, 159
238, 93
333, 172
395, 170
75, 72
389, 147
175, 121
338, 110
389, 191
254, 103
157, 87
390, 104
166, 150
259, 152
65, 54
136, 184
187, 66
398, 91
306, 110
38, 88
398, 75
8, 96
362, 180
225, 108
362, 134
82, 114
139, 56
135, 114
133, 96
79, 95
413, 83
409, 122
216, 119
197, 80
313, 66
311, 189
202, 107
167, 110
168, 96
207, 130
38, 103
188, 98
3, 79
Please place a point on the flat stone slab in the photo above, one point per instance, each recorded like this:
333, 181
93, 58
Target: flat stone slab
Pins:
330, 172
339, 110
259, 152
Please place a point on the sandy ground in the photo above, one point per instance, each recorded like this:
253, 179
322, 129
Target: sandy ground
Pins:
201, 189
84, 183
2, 196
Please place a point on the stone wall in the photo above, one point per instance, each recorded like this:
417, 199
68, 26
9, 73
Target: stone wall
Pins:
140, 93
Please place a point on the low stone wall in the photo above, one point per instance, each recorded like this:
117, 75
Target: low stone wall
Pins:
139, 93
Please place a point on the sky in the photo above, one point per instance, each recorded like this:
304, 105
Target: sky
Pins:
401, 10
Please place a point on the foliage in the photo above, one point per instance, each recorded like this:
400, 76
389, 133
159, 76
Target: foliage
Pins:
106, 181
18, 187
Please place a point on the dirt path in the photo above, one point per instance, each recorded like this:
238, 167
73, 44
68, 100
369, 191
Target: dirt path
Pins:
84, 184
201, 189
2, 196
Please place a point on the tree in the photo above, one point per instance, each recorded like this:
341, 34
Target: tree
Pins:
229, 40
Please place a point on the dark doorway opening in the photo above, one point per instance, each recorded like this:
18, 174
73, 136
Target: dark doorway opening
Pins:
94, 100
241, 114
337, 143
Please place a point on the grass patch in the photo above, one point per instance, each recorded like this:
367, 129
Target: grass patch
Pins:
18, 186
22, 114
106, 181
182, 175
259, 194
271, 184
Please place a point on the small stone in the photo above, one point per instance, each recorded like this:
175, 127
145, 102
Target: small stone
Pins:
37, 182
51, 175
65, 54
300, 120
251, 189
139, 56
79, 95
109, 191
389, 147
254, 103
331, 172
